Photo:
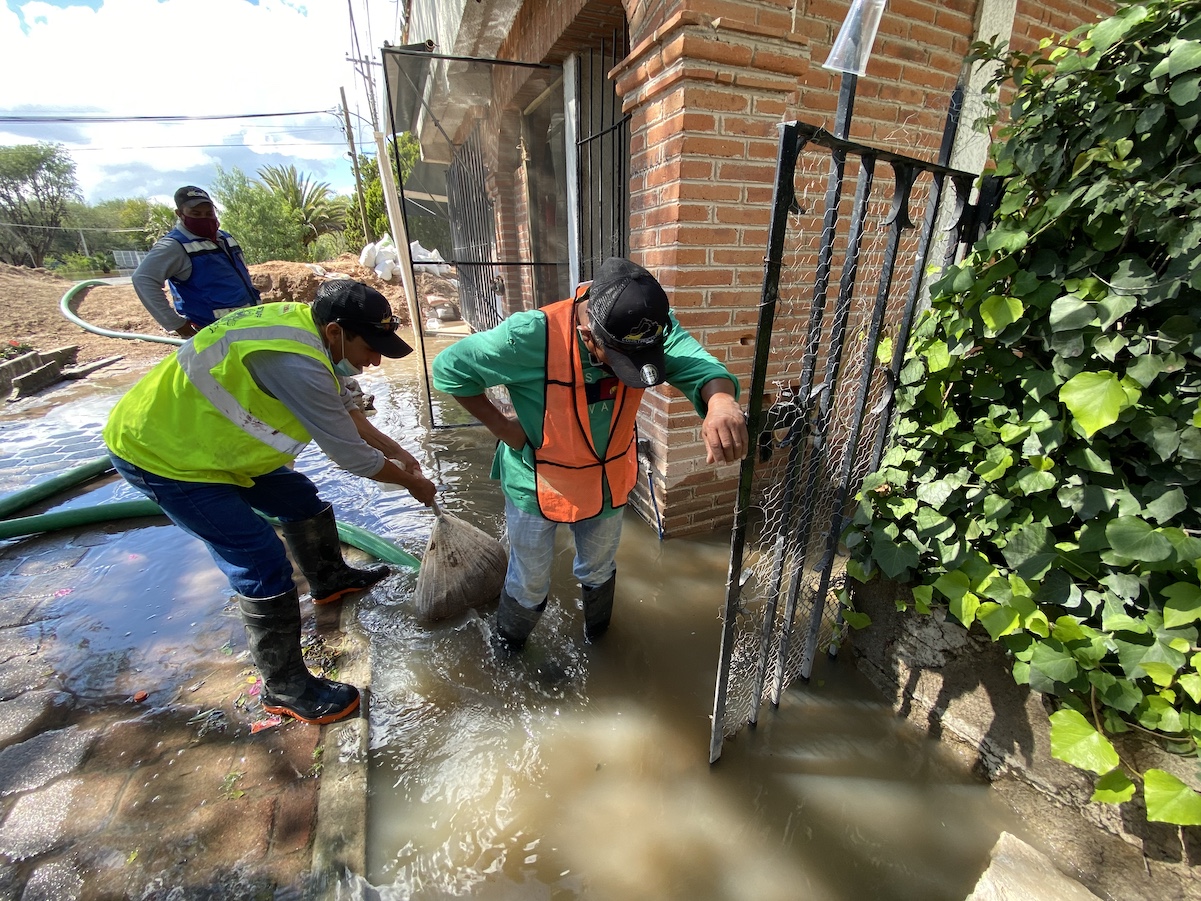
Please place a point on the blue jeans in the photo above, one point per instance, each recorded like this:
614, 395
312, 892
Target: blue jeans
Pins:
243, 544
532, 551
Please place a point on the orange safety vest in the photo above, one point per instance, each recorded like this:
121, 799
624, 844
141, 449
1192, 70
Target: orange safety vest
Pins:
569, 473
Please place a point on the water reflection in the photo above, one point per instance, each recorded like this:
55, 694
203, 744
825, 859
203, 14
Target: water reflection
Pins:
581, 771
575, 771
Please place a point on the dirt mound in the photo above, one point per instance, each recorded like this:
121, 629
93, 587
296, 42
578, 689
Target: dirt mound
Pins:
279, 281
31, 314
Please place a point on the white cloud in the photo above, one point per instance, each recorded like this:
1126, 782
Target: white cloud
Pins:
183, 57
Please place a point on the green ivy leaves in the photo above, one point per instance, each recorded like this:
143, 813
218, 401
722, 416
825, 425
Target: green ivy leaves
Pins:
1097, 399
1075, 741
1045, 481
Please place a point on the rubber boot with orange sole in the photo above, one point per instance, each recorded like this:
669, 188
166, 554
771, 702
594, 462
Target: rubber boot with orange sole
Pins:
317, 550
289, 689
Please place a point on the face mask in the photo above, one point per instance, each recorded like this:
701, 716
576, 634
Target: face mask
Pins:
344, 367
206, 228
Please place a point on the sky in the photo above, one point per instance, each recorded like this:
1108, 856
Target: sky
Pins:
192, 58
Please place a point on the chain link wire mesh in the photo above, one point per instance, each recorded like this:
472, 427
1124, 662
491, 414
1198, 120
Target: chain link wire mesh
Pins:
850, 248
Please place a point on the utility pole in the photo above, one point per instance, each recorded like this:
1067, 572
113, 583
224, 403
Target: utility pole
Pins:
363, 67
358, 179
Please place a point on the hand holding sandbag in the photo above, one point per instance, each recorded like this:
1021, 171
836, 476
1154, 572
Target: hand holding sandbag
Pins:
422, 489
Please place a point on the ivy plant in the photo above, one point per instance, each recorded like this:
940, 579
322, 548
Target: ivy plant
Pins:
1045, 476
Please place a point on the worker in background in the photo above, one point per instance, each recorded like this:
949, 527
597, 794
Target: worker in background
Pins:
210, 435
201, 264
575, 372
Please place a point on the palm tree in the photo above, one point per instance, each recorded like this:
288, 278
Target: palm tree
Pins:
322, 211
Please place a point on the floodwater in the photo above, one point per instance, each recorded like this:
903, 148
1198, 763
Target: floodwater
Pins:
575, 770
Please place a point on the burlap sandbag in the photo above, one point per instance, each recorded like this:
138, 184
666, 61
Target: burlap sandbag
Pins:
463, 567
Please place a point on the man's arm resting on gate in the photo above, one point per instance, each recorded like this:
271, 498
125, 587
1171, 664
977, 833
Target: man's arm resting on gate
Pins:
724, 429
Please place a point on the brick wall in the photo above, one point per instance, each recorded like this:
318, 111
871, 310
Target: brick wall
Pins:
706, 83
1036, 19
706, 90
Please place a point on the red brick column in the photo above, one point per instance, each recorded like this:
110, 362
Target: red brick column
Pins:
706, 84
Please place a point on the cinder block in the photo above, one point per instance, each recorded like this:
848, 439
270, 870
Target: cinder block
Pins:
33, 382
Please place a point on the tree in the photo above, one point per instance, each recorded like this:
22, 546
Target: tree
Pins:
321, 211
431, 231
152, 219
266, 225
37, 182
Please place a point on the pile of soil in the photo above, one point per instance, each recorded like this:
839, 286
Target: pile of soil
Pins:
30, 311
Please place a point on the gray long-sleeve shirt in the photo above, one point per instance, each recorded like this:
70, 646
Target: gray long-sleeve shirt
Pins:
302, 384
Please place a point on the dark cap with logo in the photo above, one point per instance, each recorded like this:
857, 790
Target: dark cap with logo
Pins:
190, 195
628, 309
363, 311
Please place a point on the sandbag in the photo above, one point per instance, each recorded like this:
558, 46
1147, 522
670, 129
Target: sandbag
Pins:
463, 567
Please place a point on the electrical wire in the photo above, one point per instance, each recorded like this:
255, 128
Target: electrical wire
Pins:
75, 149
71, 228
86, 119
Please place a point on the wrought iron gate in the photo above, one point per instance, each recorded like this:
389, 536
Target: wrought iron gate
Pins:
821, 393
603, 157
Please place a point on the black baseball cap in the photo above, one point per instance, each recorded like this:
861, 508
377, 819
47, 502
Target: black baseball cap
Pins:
189, 196
629, 313
363, 311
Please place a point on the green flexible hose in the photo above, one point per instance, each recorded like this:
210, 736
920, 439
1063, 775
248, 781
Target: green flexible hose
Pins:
64, 307
373, 544
81, 516
27, 497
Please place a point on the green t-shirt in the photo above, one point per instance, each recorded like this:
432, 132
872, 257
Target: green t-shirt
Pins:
514, 355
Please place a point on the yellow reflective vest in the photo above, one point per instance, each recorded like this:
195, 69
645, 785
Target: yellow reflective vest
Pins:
198, 416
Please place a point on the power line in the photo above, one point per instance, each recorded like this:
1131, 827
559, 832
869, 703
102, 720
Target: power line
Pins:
78, 149
71, 228
86, 119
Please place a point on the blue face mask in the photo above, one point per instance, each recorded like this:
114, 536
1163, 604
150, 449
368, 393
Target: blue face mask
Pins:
344, 367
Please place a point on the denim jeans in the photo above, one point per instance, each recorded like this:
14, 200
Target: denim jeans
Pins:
532, 551
243, 544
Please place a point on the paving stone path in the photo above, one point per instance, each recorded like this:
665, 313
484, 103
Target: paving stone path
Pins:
129, 770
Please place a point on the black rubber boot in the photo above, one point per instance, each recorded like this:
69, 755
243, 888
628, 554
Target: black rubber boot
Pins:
598, 607
318, 552
273, 633
514, 623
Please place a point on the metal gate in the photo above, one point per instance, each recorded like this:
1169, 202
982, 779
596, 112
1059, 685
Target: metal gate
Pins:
821, 392
602, 150
487, 137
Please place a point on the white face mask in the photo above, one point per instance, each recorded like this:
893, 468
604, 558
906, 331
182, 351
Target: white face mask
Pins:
344, 367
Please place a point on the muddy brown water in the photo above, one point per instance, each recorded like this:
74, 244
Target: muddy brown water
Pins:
576, 771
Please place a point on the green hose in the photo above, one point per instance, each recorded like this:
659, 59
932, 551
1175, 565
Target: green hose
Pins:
82, 516
372, 544
27, 497
64, 307
377, 547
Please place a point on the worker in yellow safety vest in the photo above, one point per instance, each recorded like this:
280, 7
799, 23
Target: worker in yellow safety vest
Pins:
210, 435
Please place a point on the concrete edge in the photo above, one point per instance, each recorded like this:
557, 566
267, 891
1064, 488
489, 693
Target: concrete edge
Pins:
340, 833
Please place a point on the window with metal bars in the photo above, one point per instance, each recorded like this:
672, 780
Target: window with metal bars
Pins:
603, 157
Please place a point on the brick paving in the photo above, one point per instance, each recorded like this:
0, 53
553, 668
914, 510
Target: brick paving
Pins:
105, 794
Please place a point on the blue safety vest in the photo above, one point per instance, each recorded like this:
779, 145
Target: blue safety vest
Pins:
219, 282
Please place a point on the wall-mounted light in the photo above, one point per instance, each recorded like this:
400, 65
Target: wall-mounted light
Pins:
853, 45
